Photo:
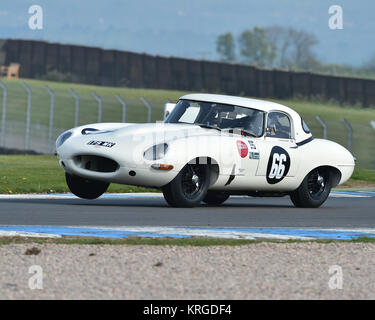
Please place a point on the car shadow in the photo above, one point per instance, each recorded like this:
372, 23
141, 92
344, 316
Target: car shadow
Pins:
149, 203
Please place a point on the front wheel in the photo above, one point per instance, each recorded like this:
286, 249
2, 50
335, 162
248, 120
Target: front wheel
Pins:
189, 187
85, 188
314, 189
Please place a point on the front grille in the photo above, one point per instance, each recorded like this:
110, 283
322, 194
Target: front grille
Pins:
96, 163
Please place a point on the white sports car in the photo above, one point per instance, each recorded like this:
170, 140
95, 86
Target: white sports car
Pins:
208, 148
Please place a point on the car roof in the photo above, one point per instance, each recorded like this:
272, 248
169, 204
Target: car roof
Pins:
239, 101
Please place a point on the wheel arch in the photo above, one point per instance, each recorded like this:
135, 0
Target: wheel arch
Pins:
336, 174
213, 165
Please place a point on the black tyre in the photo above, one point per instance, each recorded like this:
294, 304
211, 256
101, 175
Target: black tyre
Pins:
215, 198
314, 189
85, 188
189, 187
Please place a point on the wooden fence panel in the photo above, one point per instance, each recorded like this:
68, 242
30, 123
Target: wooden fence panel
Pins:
282, 84
211, 76
247, 83
228, 79
93, 64
301, 84
180, 79
265, 83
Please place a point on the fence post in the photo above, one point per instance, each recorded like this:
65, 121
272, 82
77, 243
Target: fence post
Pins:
324, 125
149, 108
4, 115
100, 106
51, 119
28, 116
123, 103
350, 133
76, 97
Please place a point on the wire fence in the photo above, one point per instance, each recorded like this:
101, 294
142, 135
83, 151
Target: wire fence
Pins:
33, 116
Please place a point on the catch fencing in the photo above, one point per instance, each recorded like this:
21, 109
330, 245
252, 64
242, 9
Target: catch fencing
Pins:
33, 116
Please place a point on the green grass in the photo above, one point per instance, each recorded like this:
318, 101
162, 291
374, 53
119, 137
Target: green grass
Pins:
364, 175
22, 174
40, 174
332, 113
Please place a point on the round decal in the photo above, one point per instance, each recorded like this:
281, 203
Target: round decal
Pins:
278, 165
243, 150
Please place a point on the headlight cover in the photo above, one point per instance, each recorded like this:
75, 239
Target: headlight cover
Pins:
62, 138
156, 152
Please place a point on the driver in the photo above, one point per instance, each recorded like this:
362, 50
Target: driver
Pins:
279, 130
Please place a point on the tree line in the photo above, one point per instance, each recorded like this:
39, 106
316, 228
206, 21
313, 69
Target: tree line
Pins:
283, 48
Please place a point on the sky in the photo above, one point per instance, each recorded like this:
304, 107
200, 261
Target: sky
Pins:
190, 28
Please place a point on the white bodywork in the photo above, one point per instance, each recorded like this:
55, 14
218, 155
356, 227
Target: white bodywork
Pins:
256, 169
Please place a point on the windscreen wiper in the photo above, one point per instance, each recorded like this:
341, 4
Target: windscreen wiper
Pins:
242, 132
207, 126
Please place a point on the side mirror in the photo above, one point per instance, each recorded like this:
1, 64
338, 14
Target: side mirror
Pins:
168, 107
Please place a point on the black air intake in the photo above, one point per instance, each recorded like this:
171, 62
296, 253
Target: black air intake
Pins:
96, 163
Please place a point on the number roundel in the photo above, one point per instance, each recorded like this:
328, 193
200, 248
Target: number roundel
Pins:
278, 165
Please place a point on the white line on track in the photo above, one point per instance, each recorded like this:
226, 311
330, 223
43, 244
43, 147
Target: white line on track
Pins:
28, 234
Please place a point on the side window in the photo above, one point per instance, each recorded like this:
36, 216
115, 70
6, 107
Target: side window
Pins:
278, 125
305, 127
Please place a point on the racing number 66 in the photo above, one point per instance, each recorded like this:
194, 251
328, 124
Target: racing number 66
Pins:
278, 168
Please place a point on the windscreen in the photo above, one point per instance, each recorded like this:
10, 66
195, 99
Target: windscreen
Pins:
221, 116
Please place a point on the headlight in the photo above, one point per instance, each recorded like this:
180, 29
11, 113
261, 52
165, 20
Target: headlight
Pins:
62, 138
156, 152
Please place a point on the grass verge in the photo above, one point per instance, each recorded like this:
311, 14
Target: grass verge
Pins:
22, 174
195, 241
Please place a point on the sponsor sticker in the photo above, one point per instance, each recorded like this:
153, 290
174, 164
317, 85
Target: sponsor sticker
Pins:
242, 148
254, 155
252, 145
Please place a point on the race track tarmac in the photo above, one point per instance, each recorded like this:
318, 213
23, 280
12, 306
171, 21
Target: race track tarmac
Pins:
236, 212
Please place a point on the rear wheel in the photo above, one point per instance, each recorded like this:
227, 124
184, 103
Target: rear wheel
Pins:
215, 198
85, 188
189, 187
314, 189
